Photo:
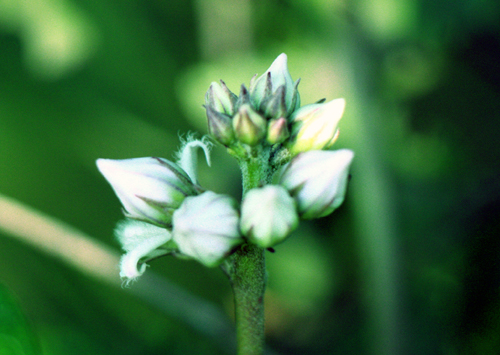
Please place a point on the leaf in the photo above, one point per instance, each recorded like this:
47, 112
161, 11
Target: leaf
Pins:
16, 335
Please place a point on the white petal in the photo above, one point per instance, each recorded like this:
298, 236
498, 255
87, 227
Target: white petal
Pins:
140, 240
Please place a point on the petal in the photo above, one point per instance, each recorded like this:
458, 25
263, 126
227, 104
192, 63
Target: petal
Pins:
140, 240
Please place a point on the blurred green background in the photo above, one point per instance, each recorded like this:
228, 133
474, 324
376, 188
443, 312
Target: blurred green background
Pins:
408, 265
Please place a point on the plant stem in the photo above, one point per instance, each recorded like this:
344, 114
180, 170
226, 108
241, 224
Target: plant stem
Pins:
248, 282
248, 273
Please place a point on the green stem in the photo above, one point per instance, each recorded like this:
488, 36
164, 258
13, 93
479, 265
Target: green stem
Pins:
248, 282
248, 273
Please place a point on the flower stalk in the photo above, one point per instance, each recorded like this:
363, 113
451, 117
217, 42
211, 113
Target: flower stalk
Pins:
247, 273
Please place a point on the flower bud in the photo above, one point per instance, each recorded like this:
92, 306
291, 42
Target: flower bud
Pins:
277, 131
274, 105
268, 215
220, 126
267, 84
260, 89
142, 242
220, 98
244, 98
205, 227
249, 126
314, 126
318, 180
150, 189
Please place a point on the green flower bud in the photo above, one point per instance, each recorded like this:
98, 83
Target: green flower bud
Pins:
318, 181
314, 126
206, 227
244, 98
220, 126
277, 75
277, 131
150, 189
249, 126
220, 98
260, 89
274, 105
268, 215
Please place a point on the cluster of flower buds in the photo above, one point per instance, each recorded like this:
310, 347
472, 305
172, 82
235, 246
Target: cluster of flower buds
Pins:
269, 112
311, 186
314, 182
259, 113
169, 213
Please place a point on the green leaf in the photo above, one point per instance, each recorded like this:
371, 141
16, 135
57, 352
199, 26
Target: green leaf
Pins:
16, 335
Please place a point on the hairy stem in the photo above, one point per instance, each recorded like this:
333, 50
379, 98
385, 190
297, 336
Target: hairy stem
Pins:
248, 282
248, 273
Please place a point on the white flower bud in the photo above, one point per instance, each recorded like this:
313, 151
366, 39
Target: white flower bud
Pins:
314, 126
141, 241
318, 180
150, 189
268, 215
205, 227
262, 88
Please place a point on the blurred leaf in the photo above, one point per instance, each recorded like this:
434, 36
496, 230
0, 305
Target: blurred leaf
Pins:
16, 335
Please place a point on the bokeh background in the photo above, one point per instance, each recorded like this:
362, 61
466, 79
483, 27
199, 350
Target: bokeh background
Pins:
408, 265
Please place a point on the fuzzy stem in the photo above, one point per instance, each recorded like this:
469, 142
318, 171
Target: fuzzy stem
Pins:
248, 282
248, 273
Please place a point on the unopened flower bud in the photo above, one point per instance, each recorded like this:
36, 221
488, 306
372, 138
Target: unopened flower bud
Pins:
206, 227
220, 126
260, 89
150, 189
318, 180
277, 131
244, 98
267, 84
268, 215
249, 125
274, 106
220, 98
314, 126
